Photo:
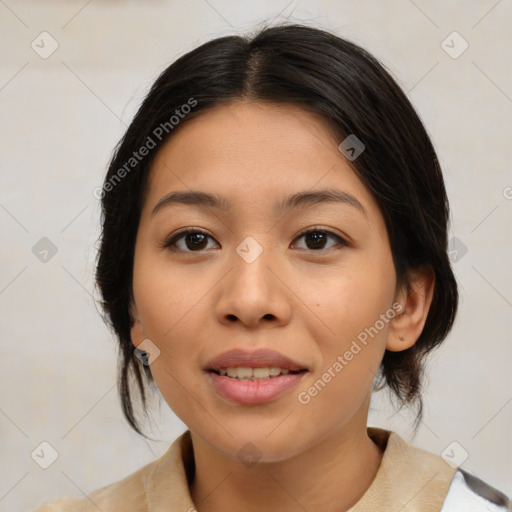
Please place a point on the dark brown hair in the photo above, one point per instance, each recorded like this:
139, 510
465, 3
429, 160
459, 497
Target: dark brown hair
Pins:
355, 95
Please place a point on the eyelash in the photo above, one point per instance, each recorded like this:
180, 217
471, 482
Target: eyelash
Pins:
171, 242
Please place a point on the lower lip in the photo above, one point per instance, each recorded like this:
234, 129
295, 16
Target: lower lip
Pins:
254, 391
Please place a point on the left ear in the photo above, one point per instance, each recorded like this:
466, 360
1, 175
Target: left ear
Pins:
405, 327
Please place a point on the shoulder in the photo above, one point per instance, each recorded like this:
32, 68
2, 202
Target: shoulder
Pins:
159, 485
418, 480
467, 492
112, 497
458, 489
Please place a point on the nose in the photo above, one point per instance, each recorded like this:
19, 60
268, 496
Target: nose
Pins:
254, 293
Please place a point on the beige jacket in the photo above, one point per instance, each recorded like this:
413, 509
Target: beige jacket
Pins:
409, 479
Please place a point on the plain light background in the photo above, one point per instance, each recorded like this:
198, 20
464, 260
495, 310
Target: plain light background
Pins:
62, 115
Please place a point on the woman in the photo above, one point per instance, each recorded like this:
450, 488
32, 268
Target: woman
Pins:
274, 248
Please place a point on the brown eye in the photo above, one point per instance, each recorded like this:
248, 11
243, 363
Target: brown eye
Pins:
191, 240
316, 239
195, 241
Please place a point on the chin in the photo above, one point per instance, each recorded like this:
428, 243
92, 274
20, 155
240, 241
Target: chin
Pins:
261, 443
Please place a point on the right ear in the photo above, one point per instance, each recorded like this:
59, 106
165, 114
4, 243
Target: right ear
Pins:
136, 329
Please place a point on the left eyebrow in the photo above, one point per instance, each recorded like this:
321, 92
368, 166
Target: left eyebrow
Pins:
313, 197
300, 199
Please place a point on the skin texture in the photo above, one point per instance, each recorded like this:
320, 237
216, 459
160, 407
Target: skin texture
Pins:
307, 301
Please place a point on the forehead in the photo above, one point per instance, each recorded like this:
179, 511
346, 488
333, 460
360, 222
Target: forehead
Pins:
254, 153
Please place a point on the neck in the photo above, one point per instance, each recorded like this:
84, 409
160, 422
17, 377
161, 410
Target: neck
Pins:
337, 470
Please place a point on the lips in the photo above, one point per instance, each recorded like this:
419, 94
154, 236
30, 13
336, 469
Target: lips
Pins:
254, 392
253, 377
259, 358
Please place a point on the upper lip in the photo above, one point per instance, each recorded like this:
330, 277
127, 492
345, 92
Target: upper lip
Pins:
259, 358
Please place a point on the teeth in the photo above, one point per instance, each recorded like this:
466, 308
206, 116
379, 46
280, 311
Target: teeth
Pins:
243, 373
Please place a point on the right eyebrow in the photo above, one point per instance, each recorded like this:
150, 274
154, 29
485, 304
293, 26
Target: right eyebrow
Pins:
194, 198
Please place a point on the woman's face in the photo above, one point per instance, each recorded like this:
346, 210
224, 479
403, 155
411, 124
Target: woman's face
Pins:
250, 279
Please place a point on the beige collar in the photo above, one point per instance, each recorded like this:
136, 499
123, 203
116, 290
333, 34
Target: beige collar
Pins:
409, 479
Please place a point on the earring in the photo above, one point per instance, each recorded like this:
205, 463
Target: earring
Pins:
142, 356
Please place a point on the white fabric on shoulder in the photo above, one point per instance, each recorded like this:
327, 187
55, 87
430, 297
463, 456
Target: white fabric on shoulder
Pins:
470, 494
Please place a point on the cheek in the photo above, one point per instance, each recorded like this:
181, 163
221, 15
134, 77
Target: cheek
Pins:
358, 294
357, 309
172, 325
174, 300
168, 298
350, 361
173, 306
